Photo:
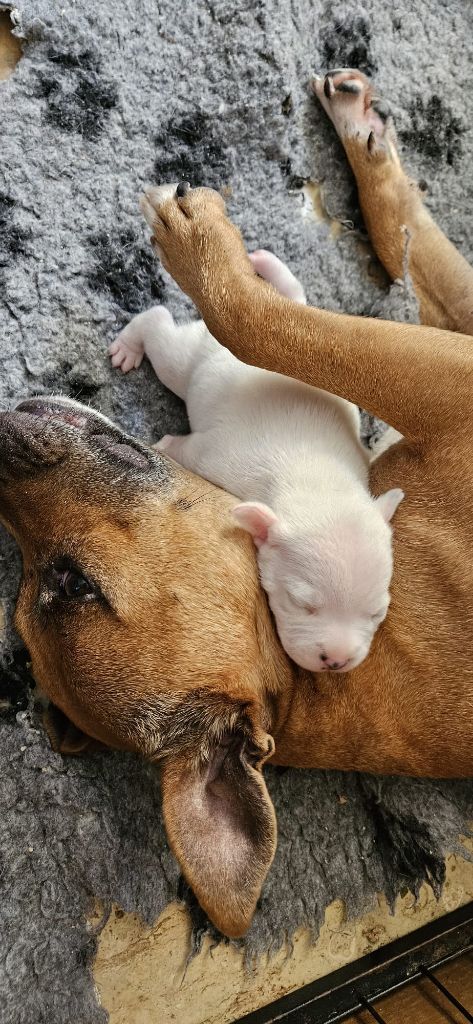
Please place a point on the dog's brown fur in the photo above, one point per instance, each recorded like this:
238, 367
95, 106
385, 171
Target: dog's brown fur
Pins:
178, 659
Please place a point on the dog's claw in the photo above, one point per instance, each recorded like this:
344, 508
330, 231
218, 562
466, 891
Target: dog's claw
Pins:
152, 197
329, 87
182, 188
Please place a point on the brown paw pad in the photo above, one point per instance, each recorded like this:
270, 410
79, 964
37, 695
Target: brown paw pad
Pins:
348, 98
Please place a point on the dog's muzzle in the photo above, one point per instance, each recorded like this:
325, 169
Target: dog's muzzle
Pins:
39, 432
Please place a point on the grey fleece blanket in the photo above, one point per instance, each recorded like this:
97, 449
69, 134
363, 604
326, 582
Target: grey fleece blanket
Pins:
106, 98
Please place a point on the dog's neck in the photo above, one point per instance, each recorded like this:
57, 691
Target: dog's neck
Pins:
312, 726
315, 725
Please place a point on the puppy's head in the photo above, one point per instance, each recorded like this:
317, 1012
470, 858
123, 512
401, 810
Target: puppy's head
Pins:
328, 586
140, 607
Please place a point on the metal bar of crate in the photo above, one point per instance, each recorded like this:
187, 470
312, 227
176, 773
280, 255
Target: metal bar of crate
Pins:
427, 973
338, 995
371, 1009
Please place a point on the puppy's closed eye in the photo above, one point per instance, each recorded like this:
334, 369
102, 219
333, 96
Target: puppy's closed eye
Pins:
302, 604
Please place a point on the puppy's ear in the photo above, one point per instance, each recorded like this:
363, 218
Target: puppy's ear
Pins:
221, 825
387, 503
256, 518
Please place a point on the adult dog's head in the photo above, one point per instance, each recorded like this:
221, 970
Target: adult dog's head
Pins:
141, 609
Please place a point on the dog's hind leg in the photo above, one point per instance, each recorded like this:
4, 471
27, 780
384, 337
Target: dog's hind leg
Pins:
392, 206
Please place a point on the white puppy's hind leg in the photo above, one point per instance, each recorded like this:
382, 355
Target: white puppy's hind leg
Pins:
174, 350
275, 272
183, 448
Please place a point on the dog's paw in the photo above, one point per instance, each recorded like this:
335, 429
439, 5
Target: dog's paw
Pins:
177, 216
356, 112
196, 242
170, 206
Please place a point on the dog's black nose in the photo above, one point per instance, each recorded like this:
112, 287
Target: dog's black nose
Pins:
27, 443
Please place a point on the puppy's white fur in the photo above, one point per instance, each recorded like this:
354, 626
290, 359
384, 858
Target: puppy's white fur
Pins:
293, 454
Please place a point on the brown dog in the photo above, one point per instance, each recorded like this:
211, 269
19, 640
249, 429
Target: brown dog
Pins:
140, 601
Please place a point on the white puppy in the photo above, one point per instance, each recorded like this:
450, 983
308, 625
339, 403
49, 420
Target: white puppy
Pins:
293, 454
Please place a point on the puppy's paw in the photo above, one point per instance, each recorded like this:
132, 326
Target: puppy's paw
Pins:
136, 339
273, 270
127, 351
357, 114
175, 446
165, 443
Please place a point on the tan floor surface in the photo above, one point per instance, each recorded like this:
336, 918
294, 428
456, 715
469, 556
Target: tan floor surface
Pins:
142, 977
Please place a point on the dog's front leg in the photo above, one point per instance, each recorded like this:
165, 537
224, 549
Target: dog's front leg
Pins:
392, 205
418, 379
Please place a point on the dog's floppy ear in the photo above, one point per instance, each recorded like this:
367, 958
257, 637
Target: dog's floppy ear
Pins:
221, 824
64, 736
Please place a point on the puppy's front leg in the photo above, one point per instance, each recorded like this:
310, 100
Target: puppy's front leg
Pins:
138, 338
417, 379
171, 348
